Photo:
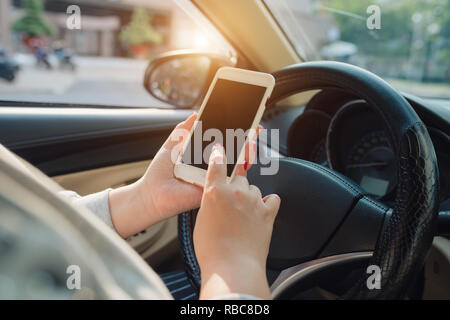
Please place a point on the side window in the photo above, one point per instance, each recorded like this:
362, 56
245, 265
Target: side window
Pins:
93, 52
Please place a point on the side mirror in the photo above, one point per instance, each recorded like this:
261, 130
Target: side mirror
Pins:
181, 78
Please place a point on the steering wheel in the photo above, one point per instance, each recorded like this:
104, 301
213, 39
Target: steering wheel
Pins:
326, 221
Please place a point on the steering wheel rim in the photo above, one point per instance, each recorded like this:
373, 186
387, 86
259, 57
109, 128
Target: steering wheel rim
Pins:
407, 235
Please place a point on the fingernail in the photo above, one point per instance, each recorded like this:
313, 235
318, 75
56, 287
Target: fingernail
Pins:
245, 165
217, 148
217, 154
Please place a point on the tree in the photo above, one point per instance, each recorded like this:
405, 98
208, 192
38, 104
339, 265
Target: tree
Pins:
32, 23
394, 37
139, 31
413, 41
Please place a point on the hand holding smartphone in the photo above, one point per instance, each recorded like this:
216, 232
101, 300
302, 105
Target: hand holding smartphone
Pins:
229, 114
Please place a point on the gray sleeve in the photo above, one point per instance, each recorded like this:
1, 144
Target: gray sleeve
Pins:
97, 203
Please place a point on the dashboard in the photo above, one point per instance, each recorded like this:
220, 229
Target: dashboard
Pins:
342, 132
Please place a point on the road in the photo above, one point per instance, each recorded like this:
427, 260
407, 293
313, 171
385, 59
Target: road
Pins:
96, 80
118, 82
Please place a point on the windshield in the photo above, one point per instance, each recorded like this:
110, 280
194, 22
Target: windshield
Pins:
93, 52
405, 42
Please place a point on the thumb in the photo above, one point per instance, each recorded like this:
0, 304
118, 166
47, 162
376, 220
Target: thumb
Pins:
272, 203
217, 168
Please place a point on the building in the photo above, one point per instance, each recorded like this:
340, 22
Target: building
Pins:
101, 22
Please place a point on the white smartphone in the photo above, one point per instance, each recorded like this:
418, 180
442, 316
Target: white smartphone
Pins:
234, 103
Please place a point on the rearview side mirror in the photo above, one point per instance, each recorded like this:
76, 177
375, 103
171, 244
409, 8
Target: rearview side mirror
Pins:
181, 78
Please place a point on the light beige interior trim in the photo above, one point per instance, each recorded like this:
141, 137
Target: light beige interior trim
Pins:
158, 242
252, 28
90, 181
165, 245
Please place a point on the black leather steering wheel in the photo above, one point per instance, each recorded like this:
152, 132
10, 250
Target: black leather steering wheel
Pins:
325, 219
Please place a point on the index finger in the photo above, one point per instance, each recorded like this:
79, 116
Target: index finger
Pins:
217, 168
180, 132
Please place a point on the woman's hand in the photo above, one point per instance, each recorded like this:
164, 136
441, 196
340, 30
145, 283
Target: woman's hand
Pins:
164, 195
232, 233
158, 195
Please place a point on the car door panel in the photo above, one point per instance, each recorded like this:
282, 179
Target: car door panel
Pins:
90, 149
67, 140
90, 181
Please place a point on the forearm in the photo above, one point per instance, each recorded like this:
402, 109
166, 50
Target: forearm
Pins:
129, 213
234, 278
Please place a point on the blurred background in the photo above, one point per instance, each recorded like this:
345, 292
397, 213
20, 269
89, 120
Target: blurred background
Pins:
411, 49
103, 62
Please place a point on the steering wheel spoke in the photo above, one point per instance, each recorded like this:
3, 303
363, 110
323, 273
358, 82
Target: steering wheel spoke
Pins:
325, 219
305, 275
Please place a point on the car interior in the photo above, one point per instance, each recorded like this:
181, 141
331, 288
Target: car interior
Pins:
364, 173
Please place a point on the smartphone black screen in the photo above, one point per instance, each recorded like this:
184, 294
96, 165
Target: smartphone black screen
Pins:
231, 105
